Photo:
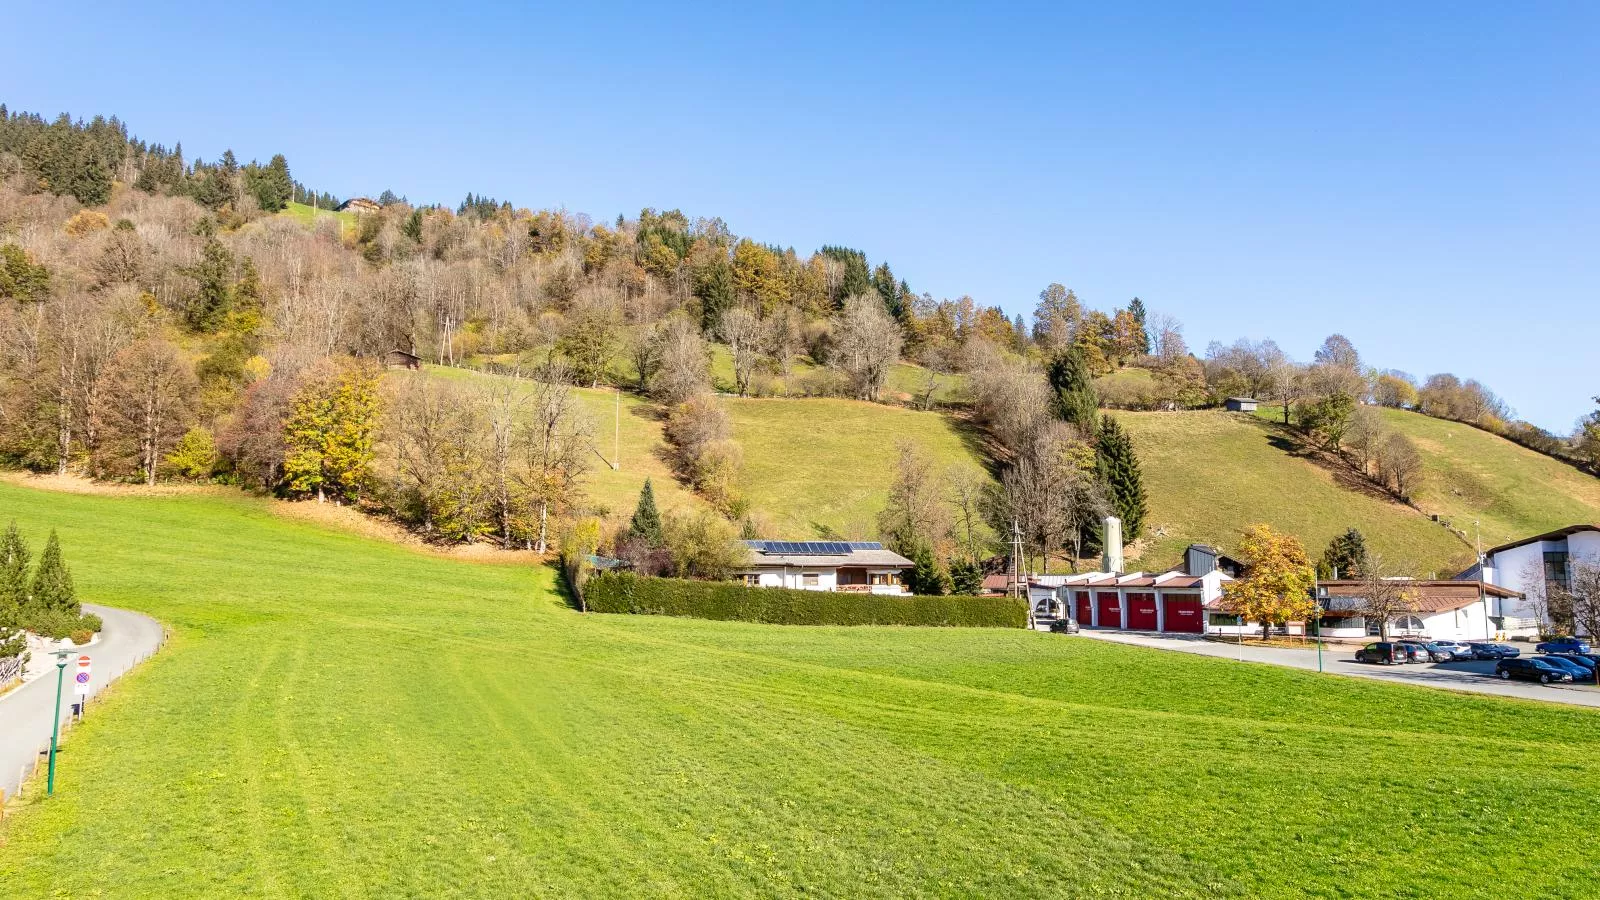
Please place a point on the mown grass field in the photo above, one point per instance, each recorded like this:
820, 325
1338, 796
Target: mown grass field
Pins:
819, 464
342, 717
1512, 491
1210, 474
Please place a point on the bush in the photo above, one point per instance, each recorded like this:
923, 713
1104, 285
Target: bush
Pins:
82, 636
625, 592
56, 624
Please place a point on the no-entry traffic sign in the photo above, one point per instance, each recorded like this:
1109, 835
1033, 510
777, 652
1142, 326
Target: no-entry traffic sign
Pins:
80, 682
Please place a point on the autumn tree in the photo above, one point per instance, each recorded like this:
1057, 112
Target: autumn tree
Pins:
330, 432
915, 514
1383, 597
683, 362
742, 332
148, 391
1277, 583
1399, 465
557, 443
866, 344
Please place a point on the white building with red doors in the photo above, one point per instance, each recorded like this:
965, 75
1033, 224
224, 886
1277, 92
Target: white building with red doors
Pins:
1174, 602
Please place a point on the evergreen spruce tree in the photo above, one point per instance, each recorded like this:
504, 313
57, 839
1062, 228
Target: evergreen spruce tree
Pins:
927, 577
646, 522
1137, 310
13, 592
1117, 466
966, 578
1346, 557
1073, 388
52, 590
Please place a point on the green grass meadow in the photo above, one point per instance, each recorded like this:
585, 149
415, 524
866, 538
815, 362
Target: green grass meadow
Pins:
341, 717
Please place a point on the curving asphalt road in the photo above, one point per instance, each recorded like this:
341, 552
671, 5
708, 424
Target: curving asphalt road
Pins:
126, 639
1475, 676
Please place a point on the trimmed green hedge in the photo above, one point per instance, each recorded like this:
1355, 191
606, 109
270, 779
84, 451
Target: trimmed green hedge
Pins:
625, 592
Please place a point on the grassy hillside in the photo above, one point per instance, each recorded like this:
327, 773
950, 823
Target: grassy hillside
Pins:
636, 428
1209, 474
1511, 490
306, 215
815, 464
341, 717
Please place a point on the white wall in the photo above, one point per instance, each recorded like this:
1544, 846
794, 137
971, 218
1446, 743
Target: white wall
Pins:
827, 579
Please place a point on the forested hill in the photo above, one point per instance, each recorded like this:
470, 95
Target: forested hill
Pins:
166, 318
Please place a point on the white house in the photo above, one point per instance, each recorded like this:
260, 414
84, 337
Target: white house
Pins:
855, 566
1442, 610
1530, 567
1176, 602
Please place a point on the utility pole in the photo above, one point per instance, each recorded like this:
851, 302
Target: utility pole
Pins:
55, 723
616, 434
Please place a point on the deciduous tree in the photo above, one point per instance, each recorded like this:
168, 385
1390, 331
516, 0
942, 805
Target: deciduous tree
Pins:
1277, 583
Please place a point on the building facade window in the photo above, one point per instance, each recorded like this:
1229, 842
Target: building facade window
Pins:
1224, 620
1555, 569
811, 579
752, 581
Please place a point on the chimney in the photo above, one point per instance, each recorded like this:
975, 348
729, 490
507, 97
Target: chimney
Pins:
1112, 560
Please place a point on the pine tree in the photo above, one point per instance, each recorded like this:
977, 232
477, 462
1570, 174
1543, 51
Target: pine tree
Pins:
1117, 466
1346, 557
52, 590
14, 559
1073, 387
646, 522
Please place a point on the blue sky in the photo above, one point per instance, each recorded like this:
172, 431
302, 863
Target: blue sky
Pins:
1422, 180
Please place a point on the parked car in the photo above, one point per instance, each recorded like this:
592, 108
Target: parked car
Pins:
1415, 653
1382, 652
1563, 645
1576, 666
1485, 650
1068, 625
1457, 649
1441, 651
1535, 669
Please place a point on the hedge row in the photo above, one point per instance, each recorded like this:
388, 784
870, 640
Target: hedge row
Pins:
625, 592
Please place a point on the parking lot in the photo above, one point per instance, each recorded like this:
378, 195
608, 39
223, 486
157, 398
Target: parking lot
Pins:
1476, 676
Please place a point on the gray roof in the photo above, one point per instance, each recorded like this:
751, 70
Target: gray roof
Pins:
823, 554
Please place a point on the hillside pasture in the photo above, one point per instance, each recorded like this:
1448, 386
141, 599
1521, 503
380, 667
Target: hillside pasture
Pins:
337, 716
1210, 474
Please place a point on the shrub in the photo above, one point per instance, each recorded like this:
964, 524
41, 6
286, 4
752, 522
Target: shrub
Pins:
82, 636
625, 592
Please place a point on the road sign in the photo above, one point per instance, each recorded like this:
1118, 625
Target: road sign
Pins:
80, 682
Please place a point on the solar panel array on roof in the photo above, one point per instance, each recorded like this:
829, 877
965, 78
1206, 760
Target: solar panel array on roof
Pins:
865, 545
807, 548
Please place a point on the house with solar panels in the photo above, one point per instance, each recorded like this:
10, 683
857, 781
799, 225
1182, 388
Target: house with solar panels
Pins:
855, 566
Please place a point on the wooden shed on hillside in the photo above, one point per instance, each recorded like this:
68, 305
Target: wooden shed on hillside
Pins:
1240, 404
402, 359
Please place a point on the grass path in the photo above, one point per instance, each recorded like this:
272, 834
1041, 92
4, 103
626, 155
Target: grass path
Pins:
341, 717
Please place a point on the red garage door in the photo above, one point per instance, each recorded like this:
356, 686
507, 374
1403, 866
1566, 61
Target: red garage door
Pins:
1184, 614
1142, 612
1083, 607
1110, 613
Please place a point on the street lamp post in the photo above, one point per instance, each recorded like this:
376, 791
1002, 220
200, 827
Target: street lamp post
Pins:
55, 722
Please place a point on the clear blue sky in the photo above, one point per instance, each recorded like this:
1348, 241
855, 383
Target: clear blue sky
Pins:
1422, 180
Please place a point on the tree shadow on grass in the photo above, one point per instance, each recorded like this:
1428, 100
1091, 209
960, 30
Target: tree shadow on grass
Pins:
1283, 438
563, 591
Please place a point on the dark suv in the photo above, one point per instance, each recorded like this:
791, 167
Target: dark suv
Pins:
1385, 652
1531, 670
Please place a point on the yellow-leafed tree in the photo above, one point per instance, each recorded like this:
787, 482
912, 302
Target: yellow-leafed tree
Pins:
1277, 583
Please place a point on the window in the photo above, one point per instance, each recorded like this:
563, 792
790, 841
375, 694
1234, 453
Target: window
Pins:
811, 579
1555, 569
1223, 619
1408, 625
752, 581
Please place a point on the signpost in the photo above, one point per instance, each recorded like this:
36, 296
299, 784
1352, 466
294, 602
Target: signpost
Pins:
80, 682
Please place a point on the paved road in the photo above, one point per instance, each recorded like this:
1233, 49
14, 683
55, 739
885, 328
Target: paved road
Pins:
1476, 676
127, 638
